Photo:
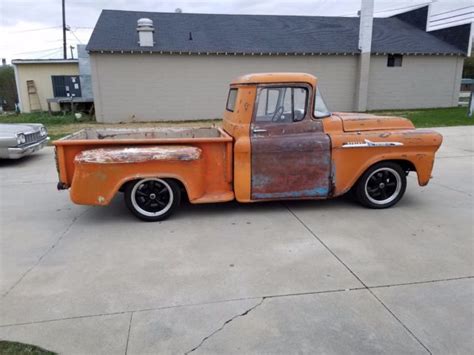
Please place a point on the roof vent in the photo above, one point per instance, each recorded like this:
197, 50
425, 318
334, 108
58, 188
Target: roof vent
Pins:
145, 31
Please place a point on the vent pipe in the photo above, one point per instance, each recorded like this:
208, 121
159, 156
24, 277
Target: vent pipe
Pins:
145, 31
365, 27
365, 47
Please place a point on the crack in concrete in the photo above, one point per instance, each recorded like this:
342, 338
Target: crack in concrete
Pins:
422, 282
61, 236
223, 326
409, 331
234, 300
128, 334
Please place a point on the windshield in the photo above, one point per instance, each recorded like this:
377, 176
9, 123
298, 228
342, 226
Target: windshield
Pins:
320, 108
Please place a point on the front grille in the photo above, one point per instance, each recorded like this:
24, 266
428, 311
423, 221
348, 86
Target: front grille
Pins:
33, 137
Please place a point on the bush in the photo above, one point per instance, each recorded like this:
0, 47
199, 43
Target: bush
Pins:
8, 94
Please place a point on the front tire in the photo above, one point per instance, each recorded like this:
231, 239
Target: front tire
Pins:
381, 186
152, 199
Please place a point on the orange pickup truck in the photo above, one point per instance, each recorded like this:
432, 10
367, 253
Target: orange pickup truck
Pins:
278, 141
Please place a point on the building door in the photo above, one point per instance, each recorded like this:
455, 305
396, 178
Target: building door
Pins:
291, 156
66, 86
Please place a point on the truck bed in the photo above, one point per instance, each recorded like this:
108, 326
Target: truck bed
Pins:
212, 171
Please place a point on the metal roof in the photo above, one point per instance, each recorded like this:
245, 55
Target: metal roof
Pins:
183, 33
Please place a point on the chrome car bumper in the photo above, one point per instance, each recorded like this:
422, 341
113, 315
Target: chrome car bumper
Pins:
17, 153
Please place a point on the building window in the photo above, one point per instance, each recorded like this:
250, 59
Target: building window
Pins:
394, 60
231, 100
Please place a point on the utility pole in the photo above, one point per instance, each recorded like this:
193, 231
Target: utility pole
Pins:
64, 30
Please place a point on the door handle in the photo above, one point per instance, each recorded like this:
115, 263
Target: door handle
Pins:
259, 130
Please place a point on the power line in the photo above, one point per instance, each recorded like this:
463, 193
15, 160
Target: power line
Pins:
72, 32
35, 29
40, 50
58, 50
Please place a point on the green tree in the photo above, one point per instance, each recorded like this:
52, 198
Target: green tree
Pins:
468, 70
8, 93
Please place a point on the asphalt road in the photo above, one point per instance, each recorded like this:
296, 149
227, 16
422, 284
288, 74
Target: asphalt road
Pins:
299, 277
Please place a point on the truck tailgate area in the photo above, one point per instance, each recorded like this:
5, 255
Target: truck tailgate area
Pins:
96, 163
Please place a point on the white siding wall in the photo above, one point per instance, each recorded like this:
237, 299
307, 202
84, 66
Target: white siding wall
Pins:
148, 87
421, 81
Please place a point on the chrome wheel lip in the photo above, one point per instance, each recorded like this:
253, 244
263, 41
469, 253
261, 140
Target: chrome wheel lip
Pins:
392, 197
148, 213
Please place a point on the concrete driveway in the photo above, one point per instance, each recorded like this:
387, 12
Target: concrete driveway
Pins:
299, 277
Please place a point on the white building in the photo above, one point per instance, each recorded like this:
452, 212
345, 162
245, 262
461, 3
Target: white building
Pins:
178, 66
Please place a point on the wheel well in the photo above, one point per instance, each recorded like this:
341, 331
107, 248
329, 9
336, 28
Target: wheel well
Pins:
406, 165
179, 182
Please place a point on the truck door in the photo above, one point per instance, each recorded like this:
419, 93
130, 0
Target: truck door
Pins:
291, 154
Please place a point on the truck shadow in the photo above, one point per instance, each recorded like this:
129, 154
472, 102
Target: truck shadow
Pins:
339, 206
117, 210
16, 162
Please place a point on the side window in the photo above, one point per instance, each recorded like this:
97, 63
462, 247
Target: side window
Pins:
231, 100
281, 104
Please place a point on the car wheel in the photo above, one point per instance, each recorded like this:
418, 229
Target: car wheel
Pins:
152, 199
381, 186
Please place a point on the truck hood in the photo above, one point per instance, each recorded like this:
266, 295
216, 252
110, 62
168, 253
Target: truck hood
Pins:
352, 122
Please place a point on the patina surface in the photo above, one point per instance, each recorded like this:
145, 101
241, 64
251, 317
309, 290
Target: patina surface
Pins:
138, 154
290, 160
317, 157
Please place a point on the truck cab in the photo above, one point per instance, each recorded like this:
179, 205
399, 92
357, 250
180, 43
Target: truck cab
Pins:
288, 145
278, 141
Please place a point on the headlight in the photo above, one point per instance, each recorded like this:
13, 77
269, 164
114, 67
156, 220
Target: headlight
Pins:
20, 138
43, 131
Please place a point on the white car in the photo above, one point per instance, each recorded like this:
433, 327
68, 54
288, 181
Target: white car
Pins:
19, 140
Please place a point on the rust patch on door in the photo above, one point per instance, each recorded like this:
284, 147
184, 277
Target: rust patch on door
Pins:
291, 162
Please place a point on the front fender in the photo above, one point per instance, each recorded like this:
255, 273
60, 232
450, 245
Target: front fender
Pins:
351, 159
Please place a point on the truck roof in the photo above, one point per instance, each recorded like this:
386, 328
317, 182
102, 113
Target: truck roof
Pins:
257, 78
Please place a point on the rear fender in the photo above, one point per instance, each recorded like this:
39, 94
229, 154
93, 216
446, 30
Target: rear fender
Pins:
100, 174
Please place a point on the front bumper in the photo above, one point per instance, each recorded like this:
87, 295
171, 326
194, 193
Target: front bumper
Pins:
17, 153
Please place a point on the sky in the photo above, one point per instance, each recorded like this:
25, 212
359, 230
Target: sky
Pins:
32, 28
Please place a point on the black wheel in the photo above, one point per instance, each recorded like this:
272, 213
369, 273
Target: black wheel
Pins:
152, 199
381, 186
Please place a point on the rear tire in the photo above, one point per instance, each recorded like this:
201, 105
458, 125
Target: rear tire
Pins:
381, 186
152, 199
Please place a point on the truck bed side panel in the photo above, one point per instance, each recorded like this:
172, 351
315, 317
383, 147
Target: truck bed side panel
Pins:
207, 179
